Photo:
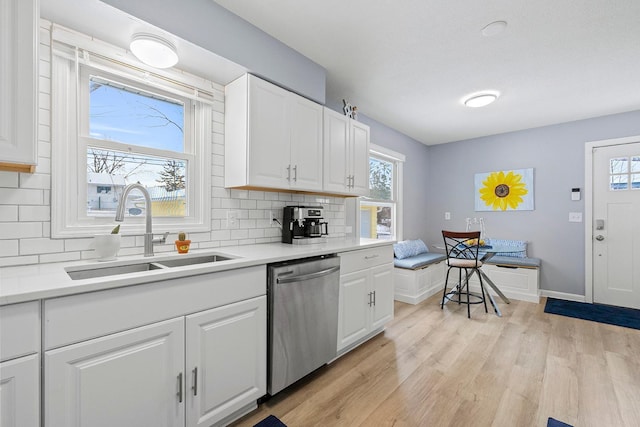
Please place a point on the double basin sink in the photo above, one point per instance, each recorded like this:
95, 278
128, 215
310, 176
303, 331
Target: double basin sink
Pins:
93, 271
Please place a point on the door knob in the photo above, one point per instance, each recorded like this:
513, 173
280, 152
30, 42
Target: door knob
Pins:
599, 237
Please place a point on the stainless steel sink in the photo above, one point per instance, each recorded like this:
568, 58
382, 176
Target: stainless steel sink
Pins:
203, 259
90, 273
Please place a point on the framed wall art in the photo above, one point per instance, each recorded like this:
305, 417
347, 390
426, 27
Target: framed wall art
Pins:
505, 190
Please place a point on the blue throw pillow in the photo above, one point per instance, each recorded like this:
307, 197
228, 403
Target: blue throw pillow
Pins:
516, 244
409, 248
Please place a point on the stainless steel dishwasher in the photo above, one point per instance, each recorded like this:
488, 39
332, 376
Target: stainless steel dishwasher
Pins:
303, 318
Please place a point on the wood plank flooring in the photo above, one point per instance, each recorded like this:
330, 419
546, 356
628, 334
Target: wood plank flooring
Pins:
434, 367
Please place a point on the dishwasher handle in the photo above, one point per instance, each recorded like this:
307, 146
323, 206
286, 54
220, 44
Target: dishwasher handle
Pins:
309, 276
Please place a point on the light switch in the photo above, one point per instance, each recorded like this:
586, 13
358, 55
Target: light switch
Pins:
447, 216
575, 216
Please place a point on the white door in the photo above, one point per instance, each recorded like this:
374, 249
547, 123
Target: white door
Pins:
226, 360
129, 379
306, 144
353, 308
269, 145
20, 392
382, 286
616, 225
336, 140
359, 158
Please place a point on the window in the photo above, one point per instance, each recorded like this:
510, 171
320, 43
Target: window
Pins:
624, 173
381, 210
121, 124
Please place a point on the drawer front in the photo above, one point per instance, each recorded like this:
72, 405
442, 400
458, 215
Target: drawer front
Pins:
81, 317
365, 258
19, 329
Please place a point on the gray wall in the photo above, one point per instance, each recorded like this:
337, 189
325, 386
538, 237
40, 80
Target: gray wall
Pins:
209, 25
557, 155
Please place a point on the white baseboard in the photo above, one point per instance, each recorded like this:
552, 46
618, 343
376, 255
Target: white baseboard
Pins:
562, 295
410, 299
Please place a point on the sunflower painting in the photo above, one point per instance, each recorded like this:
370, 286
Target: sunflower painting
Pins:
510, 190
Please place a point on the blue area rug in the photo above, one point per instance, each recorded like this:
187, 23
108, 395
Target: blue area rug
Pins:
619, 316
273, 421
551, 422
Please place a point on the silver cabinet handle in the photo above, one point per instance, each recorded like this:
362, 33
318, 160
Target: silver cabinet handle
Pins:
289, 173
371, 256
195, 381
180, 387
370, 294
353, 181
295, 173
599, 237
308, 276
374, 297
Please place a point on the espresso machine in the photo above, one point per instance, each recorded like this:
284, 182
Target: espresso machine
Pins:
303, 224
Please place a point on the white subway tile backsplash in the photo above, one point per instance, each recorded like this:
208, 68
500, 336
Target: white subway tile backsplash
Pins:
60, 257
35, 180
19, 196
8, 179
40, 246
9, 248
20, 230
34, 213
8, 213
18, 260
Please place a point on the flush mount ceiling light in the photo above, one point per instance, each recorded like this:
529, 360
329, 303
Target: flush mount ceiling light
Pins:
153, 50
480, 99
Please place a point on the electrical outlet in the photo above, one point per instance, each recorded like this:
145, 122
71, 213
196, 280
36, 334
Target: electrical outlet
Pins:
232, 219
447, 216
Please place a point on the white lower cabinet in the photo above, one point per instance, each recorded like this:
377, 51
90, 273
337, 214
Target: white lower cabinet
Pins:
195, 371
132, 378
20, 392
226, 360
366, 294
20, 365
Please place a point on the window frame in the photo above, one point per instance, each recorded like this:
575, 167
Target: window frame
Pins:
74, 58
398, 159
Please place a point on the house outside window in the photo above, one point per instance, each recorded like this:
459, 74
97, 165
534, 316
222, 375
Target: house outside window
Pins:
380, 212
121, 124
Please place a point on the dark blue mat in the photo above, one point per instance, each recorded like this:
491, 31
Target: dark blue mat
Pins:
619, 316
551, 422
271, 421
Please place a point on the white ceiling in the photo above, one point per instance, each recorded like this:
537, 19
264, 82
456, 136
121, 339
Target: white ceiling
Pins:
409, 63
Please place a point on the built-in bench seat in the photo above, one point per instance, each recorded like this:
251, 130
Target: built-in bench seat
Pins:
418, 261
418, 273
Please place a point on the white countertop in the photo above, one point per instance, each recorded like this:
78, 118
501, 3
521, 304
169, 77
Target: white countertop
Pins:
39, 281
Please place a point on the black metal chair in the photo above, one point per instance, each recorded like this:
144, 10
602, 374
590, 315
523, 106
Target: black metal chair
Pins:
462, 253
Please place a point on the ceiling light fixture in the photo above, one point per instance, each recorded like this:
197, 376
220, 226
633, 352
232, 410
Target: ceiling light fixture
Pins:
480, 99
153, 50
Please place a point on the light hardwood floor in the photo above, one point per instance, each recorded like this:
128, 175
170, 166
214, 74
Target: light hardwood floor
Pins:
434, 367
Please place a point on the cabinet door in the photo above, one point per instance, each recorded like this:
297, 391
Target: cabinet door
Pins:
382, 284
226, 360
306, 144
268, 135
20, 392
359, 158
129, 379
353, 308
336, 140
18, 84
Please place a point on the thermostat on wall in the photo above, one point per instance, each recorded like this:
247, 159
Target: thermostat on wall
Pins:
575, 194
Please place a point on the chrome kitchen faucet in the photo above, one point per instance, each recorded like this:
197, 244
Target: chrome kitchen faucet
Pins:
149, 240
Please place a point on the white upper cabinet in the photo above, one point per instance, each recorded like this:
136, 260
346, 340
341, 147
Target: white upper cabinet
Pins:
273, 137
18, 84
346, 155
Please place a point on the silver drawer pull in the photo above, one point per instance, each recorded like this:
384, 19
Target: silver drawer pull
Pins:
179, 387
371, 256
195, 381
